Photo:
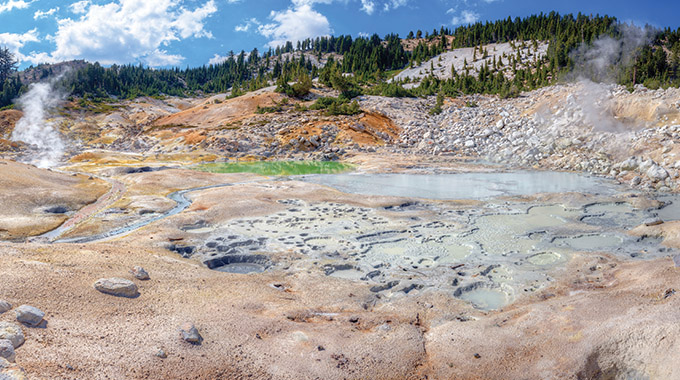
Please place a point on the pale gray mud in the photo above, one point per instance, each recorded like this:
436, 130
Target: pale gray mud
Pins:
505, 244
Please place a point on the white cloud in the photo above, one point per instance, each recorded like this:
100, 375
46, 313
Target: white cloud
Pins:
191, 23
247, 25
465, 17
299, 3
368, 6
217, 59
296, 24
14, 4
15, 42
394, 4
44, 14
79, 7
126, 31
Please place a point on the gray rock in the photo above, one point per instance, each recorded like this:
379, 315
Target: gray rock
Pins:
629, 164
190, 334
5, 306
10, 371
118, 287
140, 273
645, 165
657, 173
13, 333
29, 315
7, 350
635, 181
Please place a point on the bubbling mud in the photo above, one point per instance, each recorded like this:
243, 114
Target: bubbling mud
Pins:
485, 254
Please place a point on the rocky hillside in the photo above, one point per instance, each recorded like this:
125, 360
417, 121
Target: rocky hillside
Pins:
600, 129
496, 56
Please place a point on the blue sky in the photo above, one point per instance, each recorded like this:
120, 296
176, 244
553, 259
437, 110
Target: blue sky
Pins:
163, 33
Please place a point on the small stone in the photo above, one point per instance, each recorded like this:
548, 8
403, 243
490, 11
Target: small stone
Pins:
652, 222
29, 315
299, 336
7, 350
5, 306
13, 333
161, 354
117, 287
140, 273
635, 181
190, 334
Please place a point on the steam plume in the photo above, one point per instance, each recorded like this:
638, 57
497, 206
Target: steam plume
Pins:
595, 70
599, 62
34, 129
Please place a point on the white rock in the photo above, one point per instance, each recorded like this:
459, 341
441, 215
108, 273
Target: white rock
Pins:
657, 173
117, 287
13, 333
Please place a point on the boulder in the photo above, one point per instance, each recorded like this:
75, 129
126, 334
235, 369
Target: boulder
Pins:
117, 287
657, 173
29, 315
629, 164
13, 333
7, 350
5, 306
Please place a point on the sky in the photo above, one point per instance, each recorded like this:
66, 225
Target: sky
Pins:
191, 33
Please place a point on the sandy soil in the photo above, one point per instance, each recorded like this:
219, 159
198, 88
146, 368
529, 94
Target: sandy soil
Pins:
215, 113
28, 193
604, 320
601, 318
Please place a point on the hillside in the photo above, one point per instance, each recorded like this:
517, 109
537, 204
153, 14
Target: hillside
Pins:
505, 58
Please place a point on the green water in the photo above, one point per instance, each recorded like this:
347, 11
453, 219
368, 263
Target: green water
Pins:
272, 168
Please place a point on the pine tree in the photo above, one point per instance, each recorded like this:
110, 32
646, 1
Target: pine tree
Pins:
8, 63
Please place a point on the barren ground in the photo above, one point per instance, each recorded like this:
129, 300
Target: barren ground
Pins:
600, 317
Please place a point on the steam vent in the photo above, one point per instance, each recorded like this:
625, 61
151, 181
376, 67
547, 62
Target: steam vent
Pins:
485, 200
